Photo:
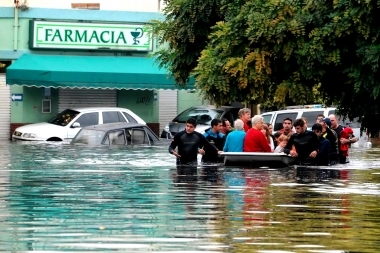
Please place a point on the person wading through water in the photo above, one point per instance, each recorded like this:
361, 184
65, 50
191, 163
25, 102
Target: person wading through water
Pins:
190, 144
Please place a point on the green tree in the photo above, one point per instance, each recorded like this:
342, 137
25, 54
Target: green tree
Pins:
184, 34
277, 52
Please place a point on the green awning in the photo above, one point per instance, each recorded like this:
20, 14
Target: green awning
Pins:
99, 72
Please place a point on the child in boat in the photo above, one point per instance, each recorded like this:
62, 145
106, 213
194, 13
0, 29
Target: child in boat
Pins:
281, 143
276, 135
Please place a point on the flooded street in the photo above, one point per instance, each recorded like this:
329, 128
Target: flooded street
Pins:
55, 197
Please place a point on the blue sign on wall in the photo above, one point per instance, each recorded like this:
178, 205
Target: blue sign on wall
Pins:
17, 97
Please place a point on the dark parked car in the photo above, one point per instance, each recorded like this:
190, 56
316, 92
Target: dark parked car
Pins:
118, 134
203, 114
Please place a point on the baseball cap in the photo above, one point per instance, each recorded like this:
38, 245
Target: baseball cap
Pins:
327, 121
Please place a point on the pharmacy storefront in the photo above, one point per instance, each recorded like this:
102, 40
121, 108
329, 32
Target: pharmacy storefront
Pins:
77, 64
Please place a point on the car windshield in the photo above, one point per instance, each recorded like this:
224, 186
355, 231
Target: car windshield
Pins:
63, 118
89, 137
202, 115
267, 118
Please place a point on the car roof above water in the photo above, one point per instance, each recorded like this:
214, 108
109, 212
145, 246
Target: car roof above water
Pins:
110, 126
89, 109
301, 110
223, 107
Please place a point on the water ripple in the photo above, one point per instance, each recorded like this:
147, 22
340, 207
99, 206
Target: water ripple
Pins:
55, 197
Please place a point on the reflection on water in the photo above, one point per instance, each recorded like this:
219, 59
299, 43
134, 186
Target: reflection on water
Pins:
55, 197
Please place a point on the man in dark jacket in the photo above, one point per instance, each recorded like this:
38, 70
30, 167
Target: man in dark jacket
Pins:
323, 152
332, 137
306, 144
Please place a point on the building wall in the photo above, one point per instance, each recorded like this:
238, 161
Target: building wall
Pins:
143, 103
188, 99
6, 41
33, 104
113, 11
7, 50
119, 5
29, 110
17, 108
140, 102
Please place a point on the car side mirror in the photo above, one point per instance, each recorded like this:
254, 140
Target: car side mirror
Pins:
75, 125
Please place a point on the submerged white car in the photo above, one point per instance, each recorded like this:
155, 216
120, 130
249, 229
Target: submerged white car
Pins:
65, 125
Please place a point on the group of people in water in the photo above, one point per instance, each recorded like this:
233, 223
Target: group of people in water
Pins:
325, 144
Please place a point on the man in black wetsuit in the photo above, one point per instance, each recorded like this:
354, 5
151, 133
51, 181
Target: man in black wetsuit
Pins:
217, 139
306, 144
189, 144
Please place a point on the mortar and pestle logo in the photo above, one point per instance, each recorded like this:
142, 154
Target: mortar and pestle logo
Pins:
136, 35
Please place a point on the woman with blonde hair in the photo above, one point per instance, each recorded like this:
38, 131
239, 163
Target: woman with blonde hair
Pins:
245, 115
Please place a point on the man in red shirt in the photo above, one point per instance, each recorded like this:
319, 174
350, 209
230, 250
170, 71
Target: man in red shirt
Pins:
255, 140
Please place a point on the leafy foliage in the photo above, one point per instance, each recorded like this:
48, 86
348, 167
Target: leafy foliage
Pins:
278, 52
184, 34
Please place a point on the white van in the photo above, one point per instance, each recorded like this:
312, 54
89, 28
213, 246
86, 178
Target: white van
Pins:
310, 112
